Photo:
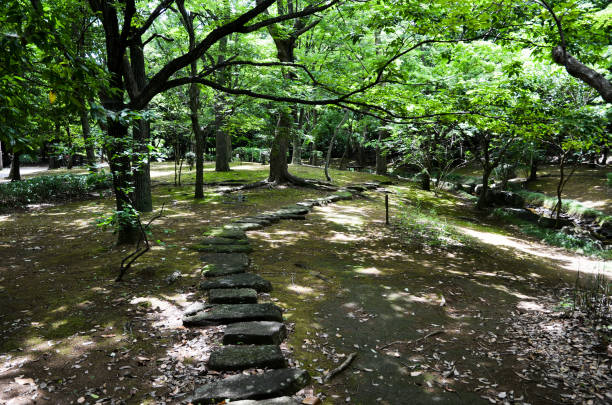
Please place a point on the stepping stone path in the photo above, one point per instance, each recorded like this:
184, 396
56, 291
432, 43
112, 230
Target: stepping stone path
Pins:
254, 331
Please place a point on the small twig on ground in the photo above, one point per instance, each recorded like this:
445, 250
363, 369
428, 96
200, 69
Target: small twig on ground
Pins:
340, 368
407, 342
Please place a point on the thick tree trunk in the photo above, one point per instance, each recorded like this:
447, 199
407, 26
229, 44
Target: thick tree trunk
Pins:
143, 201
222, 150
278, 153
381, 159
15, 174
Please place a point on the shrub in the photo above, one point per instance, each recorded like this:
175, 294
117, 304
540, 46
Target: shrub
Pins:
41, 189
570, 207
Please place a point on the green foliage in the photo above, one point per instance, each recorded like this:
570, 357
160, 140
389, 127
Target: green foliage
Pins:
609, 179
570, 207
554, 237
425, 226
42, 189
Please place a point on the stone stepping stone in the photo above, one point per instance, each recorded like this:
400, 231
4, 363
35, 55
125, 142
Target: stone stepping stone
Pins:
228, 233
223, 264
269, 218
308, 203
243, 226
232, 296
233, 358
243, 280
273, 401
270, 384
251, 220
223, 248
204, 315
255, 333
356, 187
218, 240
295, 209
292, 216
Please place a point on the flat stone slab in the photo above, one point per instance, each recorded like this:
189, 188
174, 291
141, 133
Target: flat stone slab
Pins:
251, 220
233, 358
243, 280
219, 240
204, 315
243, 226
226, 259
295, 209
228, 233
273, 401
270, 384
213, 270
232, 296
223, 248
255, 333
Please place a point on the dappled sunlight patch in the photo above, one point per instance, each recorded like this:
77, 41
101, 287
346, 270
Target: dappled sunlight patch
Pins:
531, 306
167, 311
372, 271
301, 290
560, 257
343, 237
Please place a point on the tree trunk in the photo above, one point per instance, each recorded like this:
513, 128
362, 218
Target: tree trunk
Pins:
603, 161
381, 159
296, 157
482, 198
15, 174
1, 160
533, 170
70, 158
89, 143
223, 150
425, 180
141, 130
331, 145
143, 200
278, 153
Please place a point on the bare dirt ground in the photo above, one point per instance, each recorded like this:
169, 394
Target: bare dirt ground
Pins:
428, 324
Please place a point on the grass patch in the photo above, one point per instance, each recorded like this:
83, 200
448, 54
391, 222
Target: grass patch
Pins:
427, 227
570, 207
19, 194
555, 237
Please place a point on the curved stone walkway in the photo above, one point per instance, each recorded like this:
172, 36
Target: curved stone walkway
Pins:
254, 330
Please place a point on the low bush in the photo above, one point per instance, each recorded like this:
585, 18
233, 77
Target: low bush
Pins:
42, 189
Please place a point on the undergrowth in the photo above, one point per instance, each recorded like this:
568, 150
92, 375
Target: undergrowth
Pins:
426, 226
609, 179
19, 194
570, 207
555, 237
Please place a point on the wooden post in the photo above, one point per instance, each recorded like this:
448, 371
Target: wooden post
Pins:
387, 209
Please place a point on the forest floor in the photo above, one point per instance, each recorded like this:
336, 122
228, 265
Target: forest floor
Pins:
444, 305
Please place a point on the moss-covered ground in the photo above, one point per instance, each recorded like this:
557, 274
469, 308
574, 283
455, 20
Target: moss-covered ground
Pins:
348, 283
